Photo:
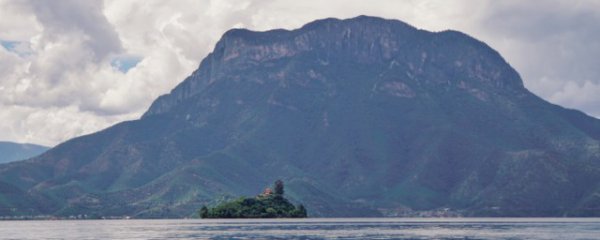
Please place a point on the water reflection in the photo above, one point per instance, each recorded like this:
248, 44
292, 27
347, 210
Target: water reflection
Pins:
343, 228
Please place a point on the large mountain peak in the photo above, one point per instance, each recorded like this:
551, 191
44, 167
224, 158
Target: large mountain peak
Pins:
419, 60
360, 117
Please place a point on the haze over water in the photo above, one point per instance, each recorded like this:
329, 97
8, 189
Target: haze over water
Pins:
314, 228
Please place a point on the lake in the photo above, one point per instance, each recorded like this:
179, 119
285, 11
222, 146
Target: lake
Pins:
312, 228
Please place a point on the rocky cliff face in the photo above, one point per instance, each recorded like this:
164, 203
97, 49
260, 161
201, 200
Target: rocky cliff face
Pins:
360, 117
365, 40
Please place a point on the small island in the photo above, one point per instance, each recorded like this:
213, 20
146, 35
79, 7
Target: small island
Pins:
269, 204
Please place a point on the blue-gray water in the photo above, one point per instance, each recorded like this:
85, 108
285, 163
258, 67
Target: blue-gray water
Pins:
341, 228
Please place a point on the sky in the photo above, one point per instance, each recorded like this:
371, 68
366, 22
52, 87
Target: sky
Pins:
73, 67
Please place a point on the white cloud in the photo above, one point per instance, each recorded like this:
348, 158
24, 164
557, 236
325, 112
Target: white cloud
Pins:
82, 21
579, 95
51, 124
15, 25
64, 79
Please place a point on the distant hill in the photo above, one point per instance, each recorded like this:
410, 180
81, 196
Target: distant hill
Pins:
360, 117
15, 151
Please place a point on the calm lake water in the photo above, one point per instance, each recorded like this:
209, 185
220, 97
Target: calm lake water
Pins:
340, 228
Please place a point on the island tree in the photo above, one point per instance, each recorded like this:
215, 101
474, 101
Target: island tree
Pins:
278, 187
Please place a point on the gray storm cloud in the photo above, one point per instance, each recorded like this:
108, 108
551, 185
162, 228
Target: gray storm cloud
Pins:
554, 46
58, 80
78, 19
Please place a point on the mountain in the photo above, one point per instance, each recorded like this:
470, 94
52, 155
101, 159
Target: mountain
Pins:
15, 151
360, 117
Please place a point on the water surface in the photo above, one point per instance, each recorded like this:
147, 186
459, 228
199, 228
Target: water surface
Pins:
315, 228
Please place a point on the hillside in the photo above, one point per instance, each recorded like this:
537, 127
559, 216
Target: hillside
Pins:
14, 151
360, 117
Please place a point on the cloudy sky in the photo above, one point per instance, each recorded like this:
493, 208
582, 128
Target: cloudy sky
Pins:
72, 67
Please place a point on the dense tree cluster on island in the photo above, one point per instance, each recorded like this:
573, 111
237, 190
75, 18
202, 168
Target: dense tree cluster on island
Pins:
269, 204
